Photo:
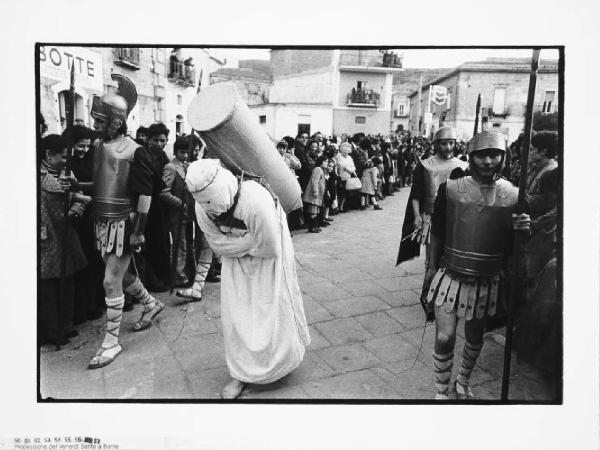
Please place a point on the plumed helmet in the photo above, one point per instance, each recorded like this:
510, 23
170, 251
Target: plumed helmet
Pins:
487, 139
445, 133
118, 104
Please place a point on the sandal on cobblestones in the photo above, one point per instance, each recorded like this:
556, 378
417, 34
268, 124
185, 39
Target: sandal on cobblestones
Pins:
193, 295
104, 356
463, 392
148, 316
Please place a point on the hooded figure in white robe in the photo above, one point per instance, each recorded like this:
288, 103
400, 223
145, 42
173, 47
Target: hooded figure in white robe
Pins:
264, 325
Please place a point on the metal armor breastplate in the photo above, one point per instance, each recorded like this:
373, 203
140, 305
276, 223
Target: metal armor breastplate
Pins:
112, 162
437, 171
478, 226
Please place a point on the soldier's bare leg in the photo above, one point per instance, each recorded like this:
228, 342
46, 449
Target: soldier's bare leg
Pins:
443, 355
114, 272
474, 329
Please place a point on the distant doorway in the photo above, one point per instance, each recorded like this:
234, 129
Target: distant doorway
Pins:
303, 128
178, 124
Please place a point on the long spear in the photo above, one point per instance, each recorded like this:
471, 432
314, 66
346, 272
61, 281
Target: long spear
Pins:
65, 232
177, 237
518, 241
477, 110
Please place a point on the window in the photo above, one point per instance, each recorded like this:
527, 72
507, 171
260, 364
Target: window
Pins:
401, 109
548, 101
499, 98
179, 99
64, 107
360, 119
449, 101
361, 85
159, 112
262, 119
128, 57
304, 128
160, 55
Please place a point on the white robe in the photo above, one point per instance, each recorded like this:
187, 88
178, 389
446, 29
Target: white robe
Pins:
264, 326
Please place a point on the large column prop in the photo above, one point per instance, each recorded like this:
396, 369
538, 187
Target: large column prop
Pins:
233, 133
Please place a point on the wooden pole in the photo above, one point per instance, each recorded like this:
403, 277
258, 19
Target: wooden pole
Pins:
515, 290
65, 231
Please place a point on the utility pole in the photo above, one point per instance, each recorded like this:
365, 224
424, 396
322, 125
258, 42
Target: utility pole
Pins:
419, 100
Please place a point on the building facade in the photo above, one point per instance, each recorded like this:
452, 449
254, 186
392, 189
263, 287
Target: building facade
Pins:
331, 91
165, 83
503, 85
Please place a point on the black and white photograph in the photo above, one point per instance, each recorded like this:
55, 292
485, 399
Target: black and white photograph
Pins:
300, 226
325, 224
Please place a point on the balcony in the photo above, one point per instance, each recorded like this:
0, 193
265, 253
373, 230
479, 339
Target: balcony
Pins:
504, 113
128, 57
382, 61
181, 74
363, 98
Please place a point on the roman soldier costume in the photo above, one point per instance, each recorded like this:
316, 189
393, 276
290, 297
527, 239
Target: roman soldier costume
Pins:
121, 176
428, 176
473, 223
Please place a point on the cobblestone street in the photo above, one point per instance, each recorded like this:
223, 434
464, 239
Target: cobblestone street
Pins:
365, 321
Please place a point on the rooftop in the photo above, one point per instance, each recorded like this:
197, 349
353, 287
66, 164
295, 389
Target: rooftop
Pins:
519, 65
242, 73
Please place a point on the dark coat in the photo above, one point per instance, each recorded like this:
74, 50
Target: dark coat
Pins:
52, 220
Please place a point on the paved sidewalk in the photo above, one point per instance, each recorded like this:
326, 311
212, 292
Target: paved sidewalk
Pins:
367, 327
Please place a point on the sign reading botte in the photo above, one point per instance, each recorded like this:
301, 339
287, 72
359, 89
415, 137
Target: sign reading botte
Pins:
56, 61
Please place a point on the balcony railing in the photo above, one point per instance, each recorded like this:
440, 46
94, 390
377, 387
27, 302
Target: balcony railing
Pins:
181, 74
370, 60
503, 113
363, 97
128, 57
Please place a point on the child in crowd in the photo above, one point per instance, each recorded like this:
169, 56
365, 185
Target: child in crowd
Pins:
314, 193
369, 183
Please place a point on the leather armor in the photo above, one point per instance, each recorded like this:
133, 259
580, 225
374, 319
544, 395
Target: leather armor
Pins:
478, 226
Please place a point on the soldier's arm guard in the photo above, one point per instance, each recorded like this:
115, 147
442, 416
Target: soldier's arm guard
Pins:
141, 217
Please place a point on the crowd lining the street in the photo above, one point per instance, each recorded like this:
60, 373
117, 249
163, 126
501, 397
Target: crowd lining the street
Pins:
336, 174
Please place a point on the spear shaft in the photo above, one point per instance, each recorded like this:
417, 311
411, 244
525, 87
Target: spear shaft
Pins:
518, 241
70, 113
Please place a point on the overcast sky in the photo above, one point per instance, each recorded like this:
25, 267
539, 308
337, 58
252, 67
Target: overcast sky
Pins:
416, 58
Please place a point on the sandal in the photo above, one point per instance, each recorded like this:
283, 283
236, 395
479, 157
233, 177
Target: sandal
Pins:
463, 392
147, 317
189, 294
101, 360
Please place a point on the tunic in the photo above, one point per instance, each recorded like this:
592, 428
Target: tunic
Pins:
264, 326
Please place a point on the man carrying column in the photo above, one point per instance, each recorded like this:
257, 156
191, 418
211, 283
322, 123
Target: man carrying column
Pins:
264, 325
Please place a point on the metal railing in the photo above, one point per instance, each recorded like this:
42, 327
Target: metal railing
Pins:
370, 60
363, 97
181, 74
128, 56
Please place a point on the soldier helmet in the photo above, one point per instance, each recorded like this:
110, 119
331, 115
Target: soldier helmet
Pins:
444, 133
119, 104
487, 139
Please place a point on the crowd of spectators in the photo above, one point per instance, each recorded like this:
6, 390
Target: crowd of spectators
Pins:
337, 175
80, 295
